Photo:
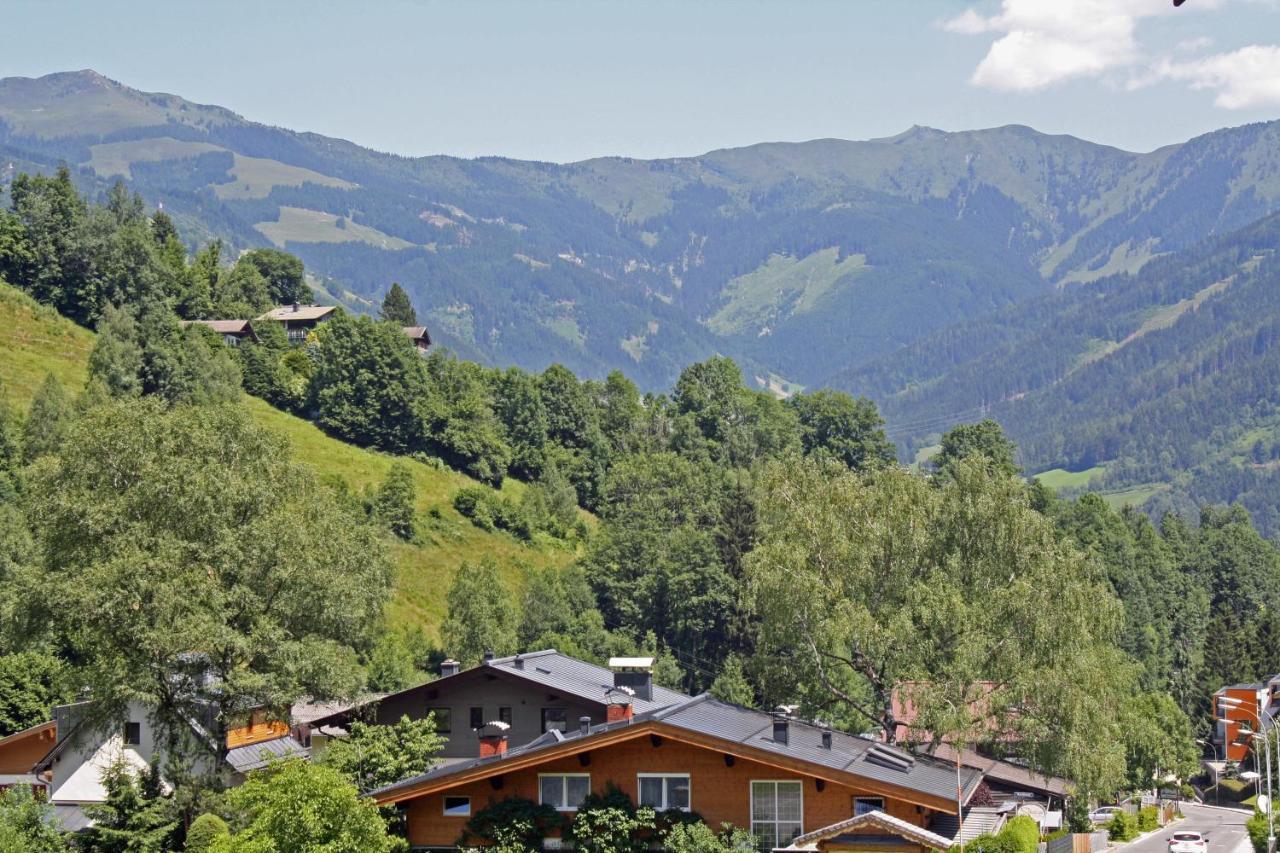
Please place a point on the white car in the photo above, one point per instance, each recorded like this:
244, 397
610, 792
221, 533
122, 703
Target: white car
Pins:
1103, 814
1188, 842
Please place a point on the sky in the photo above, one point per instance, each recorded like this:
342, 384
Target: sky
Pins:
565, 80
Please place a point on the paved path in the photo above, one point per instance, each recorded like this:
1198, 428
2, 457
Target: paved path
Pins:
1225, 830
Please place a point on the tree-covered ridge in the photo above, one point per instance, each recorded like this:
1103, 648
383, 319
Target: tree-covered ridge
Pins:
1167, 376
621, 263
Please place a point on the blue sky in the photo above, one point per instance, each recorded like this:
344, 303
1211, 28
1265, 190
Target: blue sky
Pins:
561, 80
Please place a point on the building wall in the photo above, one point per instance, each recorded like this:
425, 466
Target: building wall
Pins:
1246, 714
488, 692
20, 754
719, 793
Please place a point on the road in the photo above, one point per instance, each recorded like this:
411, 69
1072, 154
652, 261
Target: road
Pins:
1225, 830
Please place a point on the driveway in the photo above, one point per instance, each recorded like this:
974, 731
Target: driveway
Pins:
1225, 829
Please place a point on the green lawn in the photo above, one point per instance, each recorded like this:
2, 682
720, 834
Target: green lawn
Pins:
36, 340
1060, 478
1133, 496
300, 225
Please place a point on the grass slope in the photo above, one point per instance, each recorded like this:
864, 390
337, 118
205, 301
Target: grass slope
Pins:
300, 225
36, 340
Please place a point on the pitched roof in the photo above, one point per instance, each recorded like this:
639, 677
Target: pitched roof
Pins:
878, 820
1005, 772
546, 668
37, 729
298, 312
223, 327
417, 332
259, 755
729, 726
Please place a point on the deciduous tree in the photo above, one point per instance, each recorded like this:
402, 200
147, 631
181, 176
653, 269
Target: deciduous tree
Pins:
481, 614
374, 756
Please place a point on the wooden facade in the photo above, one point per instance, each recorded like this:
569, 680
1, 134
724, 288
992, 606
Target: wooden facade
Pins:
720, 775
20, 751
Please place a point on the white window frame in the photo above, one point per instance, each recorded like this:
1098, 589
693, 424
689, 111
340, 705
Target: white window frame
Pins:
857, 799
688, 779
564, 788
752, 794
444, 806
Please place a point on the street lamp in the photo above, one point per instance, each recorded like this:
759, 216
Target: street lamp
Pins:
1217, 792
1226, 702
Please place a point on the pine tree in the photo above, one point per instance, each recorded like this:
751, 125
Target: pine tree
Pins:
8, 438
396, 307
731, 684
393, 505
48, 421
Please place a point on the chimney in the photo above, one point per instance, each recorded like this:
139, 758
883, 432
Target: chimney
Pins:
519, 662
826, 739
296, 306
449, 667
493, 739
635, 674
584, 725
488, 655
781, 729
618, 707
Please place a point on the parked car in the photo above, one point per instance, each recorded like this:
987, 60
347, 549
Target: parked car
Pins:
1102, 815
1188, 842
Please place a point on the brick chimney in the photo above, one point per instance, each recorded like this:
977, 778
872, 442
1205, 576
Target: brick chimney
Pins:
634, 673
618, 708
493, 739
449, 667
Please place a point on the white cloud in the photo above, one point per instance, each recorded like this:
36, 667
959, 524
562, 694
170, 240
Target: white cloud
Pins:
1244, 78
1044, 42
1048, 41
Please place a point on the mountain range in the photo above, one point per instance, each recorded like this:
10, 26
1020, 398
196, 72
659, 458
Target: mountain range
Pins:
1080, 293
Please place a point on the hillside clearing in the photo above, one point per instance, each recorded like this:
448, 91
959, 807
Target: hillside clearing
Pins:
782, 286
300, 225
1060, 478
36, 340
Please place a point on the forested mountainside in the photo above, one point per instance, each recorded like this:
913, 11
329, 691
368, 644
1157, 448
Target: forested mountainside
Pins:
800, 260
1165, 380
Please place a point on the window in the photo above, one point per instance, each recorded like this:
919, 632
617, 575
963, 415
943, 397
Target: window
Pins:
504, 715
477, 718
133, 734
555, 718
863, 805
777, 812
457, 806
442, 717
663, 791
564, 791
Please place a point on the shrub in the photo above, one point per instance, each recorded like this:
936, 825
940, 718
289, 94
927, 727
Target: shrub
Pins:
1123, 827
1235, 790
700, 838
512, 823
1023, 833
992, 844
489, 511
204, 832
1258, 831
1148, 818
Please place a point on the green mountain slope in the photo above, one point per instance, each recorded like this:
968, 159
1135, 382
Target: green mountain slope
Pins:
650, 265
1163, 386
35, 340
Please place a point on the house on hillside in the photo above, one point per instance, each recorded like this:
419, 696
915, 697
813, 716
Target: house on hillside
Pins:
1246, 706
419, 335
533, 693
778, 777
234, 332
298, 319
79, 747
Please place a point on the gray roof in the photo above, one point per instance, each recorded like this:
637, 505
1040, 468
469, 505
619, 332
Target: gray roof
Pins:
548, 668
735, 724
255, 756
